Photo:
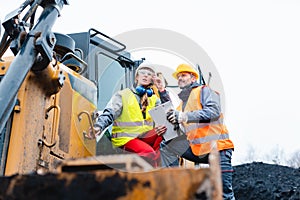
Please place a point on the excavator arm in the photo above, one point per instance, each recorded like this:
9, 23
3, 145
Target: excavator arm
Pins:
31, 49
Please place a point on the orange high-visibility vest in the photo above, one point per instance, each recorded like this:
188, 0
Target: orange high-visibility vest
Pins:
201, 135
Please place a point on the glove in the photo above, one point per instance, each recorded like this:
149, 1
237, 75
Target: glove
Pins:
172, 116
175, 116
176, 127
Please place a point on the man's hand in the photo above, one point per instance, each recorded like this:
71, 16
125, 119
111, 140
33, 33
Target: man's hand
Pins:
93, 134
175, 116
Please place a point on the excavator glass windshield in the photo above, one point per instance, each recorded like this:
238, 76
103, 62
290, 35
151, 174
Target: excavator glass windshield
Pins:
104, 56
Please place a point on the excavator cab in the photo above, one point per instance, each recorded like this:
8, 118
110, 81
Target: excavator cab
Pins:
99, 58
110, 66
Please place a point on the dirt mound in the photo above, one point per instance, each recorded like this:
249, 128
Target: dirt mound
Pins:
266, 181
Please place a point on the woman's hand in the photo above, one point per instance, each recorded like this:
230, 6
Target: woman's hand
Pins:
159, 83
160, 130
93, 134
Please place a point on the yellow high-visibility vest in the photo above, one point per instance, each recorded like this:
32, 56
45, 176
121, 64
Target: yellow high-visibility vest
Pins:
201, 135
130, 124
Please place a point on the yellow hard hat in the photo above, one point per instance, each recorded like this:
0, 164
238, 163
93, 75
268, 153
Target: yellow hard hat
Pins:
185, 68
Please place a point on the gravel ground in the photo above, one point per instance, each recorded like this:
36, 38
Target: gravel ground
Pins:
259, 180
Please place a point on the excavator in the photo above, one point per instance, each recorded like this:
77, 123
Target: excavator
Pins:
49, 90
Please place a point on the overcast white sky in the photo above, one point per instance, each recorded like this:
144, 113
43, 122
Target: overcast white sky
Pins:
255, 46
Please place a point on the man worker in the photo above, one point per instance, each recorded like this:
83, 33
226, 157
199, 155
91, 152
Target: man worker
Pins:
199, 121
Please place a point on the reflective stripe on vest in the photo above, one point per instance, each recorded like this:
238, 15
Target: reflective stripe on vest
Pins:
210, 138
131, 122
147, 123
117, 135
193, 126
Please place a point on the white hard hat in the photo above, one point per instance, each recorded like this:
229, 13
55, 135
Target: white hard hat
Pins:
145, 65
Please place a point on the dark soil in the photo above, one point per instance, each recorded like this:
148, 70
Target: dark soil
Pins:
266, 181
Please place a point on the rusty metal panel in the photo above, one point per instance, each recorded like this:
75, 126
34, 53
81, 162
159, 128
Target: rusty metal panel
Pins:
171, 183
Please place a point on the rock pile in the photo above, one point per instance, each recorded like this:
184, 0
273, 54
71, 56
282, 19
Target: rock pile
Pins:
266, 181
